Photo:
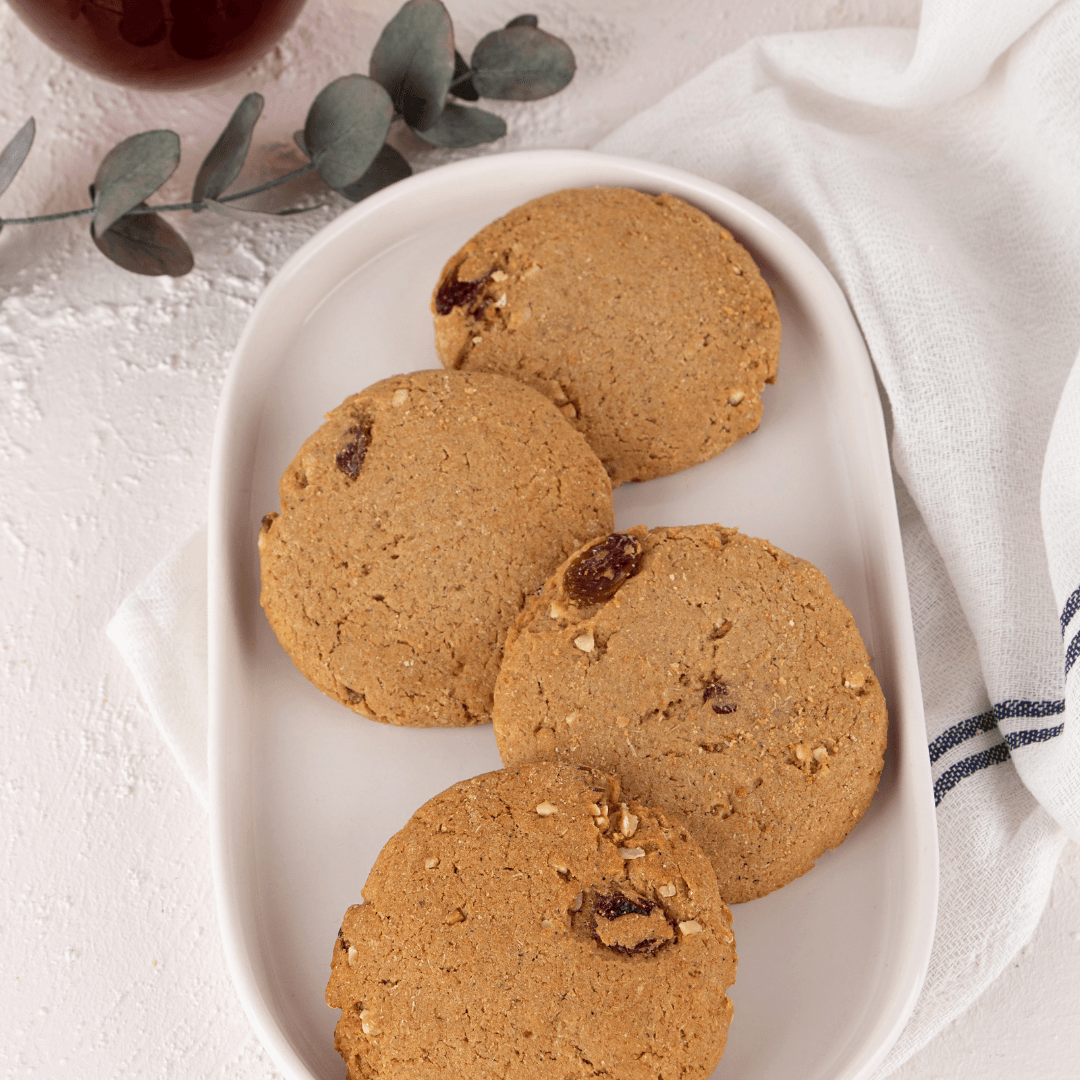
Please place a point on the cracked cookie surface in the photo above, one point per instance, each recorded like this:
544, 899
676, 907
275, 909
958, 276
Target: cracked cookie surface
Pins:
412, 524
641, 317
721, 679
533, 924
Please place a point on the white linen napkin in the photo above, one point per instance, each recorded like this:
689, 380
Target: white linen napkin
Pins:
936, 175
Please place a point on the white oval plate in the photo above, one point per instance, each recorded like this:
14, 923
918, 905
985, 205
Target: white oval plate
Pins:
304, 793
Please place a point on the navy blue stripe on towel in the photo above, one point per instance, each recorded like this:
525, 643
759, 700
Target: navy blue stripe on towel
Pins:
999, 752
1006, 710
968, 767
1072, 605
961, 732
1017, 739
1071, 652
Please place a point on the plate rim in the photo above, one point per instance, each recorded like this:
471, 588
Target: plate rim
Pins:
913, 771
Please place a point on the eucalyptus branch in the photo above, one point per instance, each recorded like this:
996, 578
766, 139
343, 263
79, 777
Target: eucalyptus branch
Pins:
413, 73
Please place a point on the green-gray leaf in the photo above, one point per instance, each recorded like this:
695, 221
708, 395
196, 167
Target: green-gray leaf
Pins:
387, 169
523, 20
145, 244
414, 60
462, 87
14, 154
345, 127
226, 158
459, 126
521, 63
132, 171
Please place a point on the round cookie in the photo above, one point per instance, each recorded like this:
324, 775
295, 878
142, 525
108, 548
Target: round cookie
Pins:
527, 925
412, 525
719, 677
641, 317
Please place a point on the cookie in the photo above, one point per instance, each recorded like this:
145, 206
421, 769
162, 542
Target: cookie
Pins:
641, 318
412, 525
719, 677
529, 925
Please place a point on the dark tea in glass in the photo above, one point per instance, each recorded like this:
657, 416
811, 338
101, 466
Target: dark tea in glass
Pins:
160, 44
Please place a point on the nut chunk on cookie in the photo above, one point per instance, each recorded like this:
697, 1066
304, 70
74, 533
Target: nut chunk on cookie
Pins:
723, 680
532, 924
642, 318
412, 525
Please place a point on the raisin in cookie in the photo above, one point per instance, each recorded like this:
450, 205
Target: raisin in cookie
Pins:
412, 525
719, 677
527, 925
641, 317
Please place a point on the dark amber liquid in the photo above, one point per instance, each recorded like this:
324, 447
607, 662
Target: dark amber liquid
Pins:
160, 44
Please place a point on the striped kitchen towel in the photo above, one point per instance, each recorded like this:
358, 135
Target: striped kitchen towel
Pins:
937, 174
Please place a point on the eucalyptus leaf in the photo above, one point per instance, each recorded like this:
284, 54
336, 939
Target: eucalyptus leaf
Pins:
414, 60
145, 244
521, 63
226, 158
14, 154
523, 20
464, 88
386, 169
347, 124
130, 172
459, 126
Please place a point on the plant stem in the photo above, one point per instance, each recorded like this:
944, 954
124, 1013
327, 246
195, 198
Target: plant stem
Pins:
277, 181
461, 79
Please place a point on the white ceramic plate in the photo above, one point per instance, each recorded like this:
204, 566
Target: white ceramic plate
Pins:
304, 793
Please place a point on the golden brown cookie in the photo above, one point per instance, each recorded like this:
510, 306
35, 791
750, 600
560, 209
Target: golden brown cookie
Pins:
412, 524
527, 925
719, 677
641, 317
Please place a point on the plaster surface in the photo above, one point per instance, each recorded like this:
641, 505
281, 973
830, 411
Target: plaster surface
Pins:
109, 383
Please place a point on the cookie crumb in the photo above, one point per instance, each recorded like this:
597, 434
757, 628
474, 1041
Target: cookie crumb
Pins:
545, 809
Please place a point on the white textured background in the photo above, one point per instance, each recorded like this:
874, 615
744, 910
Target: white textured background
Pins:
108, 387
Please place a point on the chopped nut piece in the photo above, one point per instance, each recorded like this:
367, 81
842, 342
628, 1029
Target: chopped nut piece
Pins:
576, 905
498, 275
367, 1023
546, 924
594, 810
690, 927
431, 863
632, 852
352, 957
734, 399
820, 754
667, 890
399, 398
585, 642
455, 916
546, 809
800, 752
628, 823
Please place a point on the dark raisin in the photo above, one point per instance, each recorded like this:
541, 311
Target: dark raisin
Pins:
267, 521
616, 904
597, 573
718, 690
613, 906
351, 456
454, 293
